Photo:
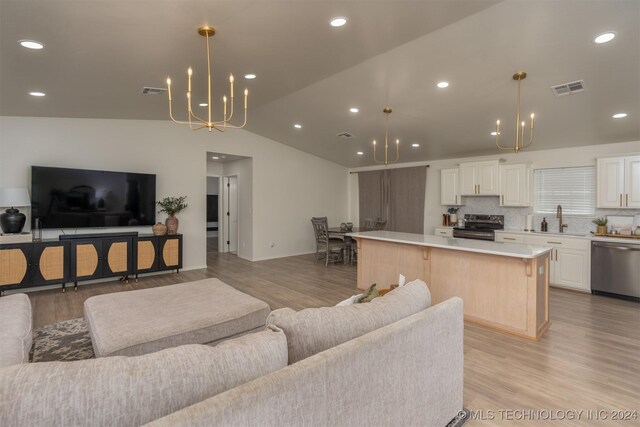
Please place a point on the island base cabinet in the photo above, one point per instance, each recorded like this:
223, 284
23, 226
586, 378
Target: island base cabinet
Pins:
509, 294
494, 289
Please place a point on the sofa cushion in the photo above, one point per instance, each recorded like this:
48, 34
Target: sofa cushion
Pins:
129, 391
313, 330
16, 334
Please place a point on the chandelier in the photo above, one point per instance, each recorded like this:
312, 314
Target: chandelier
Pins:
196, 122
520, 125
386, 160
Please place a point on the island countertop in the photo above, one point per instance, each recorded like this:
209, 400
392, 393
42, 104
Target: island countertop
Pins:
456, 244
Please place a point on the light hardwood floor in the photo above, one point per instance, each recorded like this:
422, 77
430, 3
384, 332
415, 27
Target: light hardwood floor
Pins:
588, 360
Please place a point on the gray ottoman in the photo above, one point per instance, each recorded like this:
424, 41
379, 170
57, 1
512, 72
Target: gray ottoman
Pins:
148, 320
15, 329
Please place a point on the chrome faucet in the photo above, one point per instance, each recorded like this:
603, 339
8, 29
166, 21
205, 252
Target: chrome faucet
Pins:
561, 226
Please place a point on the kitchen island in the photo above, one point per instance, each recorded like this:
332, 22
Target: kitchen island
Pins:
504, 286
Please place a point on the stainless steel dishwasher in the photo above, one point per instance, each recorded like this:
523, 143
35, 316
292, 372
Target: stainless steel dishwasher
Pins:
615, 269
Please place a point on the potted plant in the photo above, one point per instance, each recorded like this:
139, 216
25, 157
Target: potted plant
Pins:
602, 225
171, 206
453, 215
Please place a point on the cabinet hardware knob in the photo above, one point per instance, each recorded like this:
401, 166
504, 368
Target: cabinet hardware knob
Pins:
556, 243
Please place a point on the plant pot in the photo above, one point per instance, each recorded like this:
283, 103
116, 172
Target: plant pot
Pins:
601, 229
453, 219
172, 224
159, 229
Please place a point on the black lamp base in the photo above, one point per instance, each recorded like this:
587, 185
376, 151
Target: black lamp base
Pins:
12, 221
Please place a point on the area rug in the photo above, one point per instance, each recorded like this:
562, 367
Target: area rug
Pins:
63, 341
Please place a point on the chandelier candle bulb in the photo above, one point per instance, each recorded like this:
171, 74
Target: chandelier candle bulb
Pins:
169, 88
231, 81
246, 95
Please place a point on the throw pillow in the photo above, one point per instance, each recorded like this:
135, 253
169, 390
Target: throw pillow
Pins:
369, 294
349, 301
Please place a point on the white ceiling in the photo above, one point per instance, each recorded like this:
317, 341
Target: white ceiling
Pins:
99, 55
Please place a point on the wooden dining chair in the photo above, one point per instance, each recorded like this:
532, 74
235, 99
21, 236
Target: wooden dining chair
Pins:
332, 248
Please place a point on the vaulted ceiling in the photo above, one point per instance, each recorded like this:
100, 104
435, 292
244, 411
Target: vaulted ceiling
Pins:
100, 54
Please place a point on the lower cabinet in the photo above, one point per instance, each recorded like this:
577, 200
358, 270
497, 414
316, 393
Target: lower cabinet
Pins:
33, 264
101, 257
570, 260
157, 253
60, 261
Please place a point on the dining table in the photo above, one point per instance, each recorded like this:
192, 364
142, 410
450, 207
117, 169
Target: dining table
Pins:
341, 233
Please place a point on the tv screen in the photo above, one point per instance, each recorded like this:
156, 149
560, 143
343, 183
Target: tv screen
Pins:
75, 198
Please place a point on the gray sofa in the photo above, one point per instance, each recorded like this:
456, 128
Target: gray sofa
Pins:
394, 361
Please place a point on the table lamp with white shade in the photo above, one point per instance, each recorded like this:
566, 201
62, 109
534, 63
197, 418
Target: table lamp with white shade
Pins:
12, 221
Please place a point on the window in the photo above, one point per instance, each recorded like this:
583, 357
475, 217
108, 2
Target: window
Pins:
573, 188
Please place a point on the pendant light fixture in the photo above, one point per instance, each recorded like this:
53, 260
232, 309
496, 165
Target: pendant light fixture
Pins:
386, 160
520, 125
196, 122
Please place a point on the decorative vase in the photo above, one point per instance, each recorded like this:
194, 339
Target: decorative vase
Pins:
12, 221
172, 224
601, 229
159, 229
453, 219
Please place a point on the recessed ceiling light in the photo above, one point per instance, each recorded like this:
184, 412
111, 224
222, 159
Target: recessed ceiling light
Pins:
215, 157
620, 115
203, 104
36, 93
415, 145
359, 153
249, 76
494, 133
353, 109
338, 21
297, 126
604, 37
31, 44
443, 84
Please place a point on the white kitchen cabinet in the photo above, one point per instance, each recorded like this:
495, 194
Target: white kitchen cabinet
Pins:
514, 185
443, 231
569, 261
480, 178
619, 182
449, 187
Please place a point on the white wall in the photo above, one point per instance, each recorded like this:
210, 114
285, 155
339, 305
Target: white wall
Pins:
563, 157
288, 186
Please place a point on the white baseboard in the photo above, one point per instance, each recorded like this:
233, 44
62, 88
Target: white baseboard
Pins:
282, 256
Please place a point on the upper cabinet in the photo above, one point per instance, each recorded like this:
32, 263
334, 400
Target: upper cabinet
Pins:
619, 182
480, 178
450, 187
514, 185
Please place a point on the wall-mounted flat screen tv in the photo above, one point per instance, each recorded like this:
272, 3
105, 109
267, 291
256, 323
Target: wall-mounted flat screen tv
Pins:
77, 198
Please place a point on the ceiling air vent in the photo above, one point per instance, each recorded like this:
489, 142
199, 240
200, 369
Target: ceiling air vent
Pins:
568, 88
154, 90
345, 135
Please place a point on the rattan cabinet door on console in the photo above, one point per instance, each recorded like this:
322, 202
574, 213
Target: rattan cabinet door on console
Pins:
50, 263
145, 257
170, 252
15, 262
86, 256
118, 254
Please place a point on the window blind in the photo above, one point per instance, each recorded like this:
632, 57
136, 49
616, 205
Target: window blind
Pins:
573, 188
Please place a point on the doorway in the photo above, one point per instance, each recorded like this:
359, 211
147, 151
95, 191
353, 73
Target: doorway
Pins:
229, 241
213, 210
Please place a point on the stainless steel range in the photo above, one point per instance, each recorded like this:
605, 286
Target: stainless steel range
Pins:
480, 227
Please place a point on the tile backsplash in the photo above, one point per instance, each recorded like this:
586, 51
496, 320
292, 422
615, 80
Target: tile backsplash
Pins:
515, 218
